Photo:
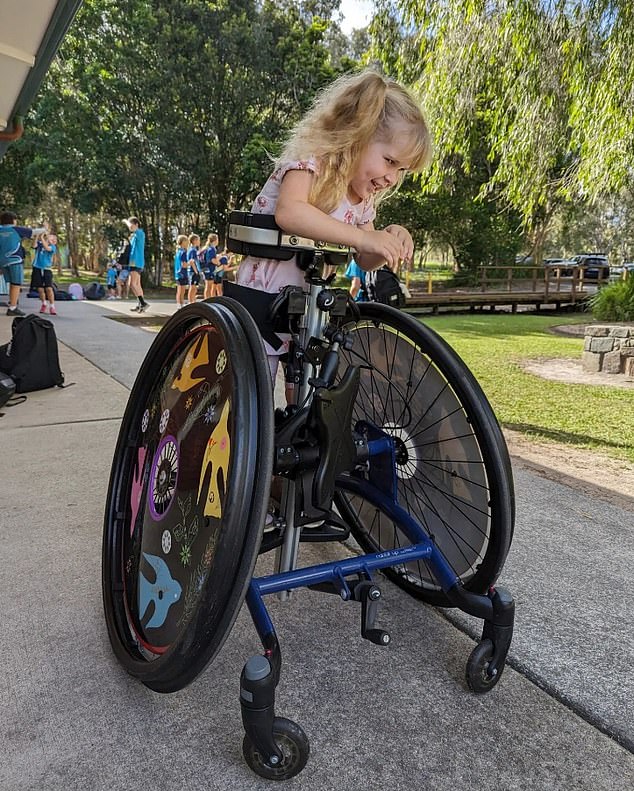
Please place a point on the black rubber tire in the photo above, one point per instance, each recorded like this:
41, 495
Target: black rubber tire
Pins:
292, 742
178, 557
478, 678
453, 469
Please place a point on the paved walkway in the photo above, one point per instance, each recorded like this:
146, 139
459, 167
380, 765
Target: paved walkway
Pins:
377, 718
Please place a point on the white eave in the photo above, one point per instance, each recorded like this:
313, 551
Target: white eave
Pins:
30, 34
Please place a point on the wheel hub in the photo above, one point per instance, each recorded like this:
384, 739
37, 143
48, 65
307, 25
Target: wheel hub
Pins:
406, 453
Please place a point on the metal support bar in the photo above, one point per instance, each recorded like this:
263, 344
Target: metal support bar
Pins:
331, 572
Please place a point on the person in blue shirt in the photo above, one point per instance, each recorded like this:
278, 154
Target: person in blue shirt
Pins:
42, 278
181, 274
12, 256
222, 270
111, 279
137, 262
194, 272
210, 262
355, 274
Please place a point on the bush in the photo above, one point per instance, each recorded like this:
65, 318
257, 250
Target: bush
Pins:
614, 302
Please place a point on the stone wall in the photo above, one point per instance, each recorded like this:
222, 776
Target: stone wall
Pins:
609, 348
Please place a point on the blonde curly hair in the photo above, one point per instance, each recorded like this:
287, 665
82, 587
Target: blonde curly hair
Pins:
345, 118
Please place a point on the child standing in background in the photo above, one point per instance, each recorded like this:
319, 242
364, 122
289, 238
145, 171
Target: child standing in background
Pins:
42, 279
194, 272
363, 134
111, 280
12, 256
225, 260
181, 275
209, 264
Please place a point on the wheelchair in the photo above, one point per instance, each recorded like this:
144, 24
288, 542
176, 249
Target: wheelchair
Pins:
390, 443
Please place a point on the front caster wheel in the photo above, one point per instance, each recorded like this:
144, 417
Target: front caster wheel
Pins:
480, 676
293, 744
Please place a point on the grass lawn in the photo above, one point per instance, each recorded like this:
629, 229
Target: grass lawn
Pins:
493, 346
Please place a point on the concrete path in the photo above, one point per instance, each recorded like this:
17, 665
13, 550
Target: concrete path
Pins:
377, 718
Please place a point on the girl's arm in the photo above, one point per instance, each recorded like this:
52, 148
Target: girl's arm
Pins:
294, 214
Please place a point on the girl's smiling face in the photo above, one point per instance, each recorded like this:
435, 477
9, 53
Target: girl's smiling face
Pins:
379, 167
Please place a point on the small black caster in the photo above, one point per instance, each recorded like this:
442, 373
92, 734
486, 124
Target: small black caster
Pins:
481, 676
291, 741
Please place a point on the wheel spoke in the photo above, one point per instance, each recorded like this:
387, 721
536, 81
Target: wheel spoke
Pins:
413, 389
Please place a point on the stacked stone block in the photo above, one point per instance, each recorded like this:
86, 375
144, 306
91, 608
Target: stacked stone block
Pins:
609, 348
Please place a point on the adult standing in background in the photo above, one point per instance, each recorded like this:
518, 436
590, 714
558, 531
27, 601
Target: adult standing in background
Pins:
12, 256
137, 262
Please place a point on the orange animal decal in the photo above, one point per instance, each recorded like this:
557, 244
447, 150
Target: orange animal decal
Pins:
195, 357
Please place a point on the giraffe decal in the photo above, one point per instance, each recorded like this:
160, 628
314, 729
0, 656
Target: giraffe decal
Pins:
217, 456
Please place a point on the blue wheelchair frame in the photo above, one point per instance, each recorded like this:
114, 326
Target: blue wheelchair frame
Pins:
260, 675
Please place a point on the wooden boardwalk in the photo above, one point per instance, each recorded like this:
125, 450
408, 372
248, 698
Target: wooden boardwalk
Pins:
420, 302
511, 286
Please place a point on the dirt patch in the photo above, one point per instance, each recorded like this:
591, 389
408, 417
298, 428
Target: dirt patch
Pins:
572, 330
579, 330
572, 372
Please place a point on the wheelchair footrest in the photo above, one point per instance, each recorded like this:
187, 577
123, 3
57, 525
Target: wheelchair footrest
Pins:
332, 529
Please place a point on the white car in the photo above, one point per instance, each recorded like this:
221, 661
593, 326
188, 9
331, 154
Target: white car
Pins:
620, 272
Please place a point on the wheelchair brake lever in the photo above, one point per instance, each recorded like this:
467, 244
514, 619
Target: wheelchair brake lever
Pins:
369, 595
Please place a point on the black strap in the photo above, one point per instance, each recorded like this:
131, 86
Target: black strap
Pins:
258, 304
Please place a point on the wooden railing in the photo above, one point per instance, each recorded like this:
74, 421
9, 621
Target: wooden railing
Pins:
519, 277
508, 285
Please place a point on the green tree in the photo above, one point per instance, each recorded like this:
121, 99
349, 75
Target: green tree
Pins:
171, 109
542, 82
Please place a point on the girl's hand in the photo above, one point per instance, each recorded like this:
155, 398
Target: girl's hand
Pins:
383, 244
405, 238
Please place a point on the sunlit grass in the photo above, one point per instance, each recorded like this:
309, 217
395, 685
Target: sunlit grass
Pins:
493, 346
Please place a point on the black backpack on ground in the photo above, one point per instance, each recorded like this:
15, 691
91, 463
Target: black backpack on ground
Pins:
31, 357
95, 291
383, 285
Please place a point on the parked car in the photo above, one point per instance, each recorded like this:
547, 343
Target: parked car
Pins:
595, 266
564, 265
626, 269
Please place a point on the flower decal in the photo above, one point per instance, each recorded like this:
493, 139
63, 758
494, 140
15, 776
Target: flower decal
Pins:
164, 418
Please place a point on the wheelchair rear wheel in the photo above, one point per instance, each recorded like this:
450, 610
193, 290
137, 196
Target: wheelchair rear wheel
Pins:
452, 466
188, 494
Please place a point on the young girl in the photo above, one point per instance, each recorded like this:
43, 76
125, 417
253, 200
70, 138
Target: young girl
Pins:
362, 135
194, 272
225, 265
42, 277
210, 262
181, 275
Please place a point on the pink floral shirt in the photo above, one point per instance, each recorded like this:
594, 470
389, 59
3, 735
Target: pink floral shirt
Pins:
268, 274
